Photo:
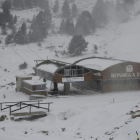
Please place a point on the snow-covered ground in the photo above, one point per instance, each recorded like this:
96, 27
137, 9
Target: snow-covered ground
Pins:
84, 114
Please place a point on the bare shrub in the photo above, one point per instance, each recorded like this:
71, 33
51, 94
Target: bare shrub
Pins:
23, 66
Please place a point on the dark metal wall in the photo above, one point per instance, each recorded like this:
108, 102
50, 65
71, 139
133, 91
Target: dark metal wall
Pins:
90, 85
122, 77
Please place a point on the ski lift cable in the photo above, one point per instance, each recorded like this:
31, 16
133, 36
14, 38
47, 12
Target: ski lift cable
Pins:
34, 52
20, 56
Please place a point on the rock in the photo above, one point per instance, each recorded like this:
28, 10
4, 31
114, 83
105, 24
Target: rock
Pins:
45, 132
11, 118
3, 117
3, 128
25, 132
11, 84
116, 128
4, 96
135, 116
63, 129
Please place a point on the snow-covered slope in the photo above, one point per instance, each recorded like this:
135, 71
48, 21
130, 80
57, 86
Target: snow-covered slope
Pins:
84, 114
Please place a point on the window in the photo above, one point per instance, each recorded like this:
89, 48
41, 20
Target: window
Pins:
67, 72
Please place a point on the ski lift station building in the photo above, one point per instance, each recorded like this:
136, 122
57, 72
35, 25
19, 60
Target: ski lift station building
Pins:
94, 73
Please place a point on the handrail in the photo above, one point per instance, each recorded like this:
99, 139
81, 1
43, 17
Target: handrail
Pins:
26, 104
20, 101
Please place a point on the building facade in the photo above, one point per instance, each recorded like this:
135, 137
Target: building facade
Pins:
94, 73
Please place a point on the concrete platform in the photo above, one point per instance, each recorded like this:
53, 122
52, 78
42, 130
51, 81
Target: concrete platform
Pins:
27, 116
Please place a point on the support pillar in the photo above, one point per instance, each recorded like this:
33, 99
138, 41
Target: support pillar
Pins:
44, 80
66, 88
55, 87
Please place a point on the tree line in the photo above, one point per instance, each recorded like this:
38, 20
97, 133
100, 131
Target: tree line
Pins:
38, 29
25, 4
86, 22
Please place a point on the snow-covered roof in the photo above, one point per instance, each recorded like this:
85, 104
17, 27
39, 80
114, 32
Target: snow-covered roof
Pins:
97, 63
48, 67
23, 76
34, 82
91, 63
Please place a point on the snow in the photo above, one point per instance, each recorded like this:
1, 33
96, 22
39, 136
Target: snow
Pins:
98, 63
48, 67
34, 82
84, 114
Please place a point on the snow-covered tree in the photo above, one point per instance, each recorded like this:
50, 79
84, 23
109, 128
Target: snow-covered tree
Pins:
39, 28
67, 27
99, 13
7, 17
62, 27
77, 45
4, 31
66, 13
74, 10
56, 6
85, 24
122, 14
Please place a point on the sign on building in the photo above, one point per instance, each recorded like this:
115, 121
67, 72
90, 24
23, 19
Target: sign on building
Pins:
72, 79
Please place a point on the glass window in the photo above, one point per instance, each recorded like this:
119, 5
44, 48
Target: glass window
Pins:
67, 72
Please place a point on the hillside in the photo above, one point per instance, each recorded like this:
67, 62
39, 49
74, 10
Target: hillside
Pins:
84, 114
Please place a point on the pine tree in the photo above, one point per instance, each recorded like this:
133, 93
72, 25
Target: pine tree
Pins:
99, 14
8, 39
131, 2
44, 4
13, 32
74, 10
69, 27
85, 24
128, 4
15, 19
122, 14
62, 27
95, 48
47, 18
39, 28
18, 38
77, 45
23, 28
23, 34
4, 32
6, 5
66, 13
109, 9
22, 4
56, 6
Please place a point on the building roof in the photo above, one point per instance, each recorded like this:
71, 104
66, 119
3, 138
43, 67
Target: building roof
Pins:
23, 76
51, 65
34, 82
97, 63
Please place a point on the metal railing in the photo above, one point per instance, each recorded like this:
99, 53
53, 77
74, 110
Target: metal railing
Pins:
24, 104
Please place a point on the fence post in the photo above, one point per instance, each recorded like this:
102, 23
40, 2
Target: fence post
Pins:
48, 107
38, 104
1, 106
30, 108
10, 110
20, 105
